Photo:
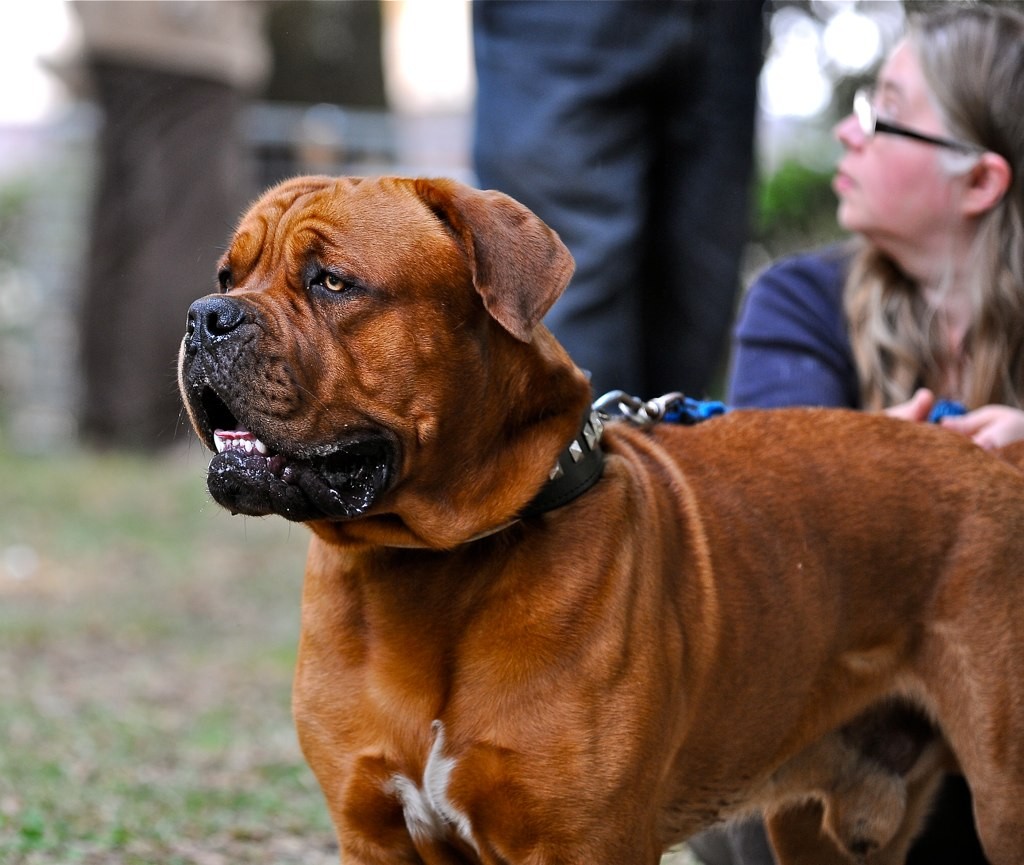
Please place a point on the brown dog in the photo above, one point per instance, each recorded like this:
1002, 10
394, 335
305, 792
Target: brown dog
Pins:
501, 667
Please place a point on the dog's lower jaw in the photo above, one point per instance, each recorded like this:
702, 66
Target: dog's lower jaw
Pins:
343, 486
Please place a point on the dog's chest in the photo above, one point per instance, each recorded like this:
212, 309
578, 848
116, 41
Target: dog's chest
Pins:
430, 815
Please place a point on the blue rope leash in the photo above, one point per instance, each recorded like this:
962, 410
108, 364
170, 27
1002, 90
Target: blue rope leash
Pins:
681, 409
689, 411
946, 408
670, 408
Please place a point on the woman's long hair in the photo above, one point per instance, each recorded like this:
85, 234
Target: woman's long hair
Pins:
973, 61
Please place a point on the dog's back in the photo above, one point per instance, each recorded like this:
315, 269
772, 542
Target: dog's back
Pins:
858, 558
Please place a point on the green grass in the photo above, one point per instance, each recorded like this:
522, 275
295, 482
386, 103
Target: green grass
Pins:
147, 640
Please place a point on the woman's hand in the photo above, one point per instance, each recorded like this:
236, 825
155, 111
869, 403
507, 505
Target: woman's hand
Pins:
991, 426
916, 409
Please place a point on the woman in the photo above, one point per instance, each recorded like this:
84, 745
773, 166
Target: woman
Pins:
928, 301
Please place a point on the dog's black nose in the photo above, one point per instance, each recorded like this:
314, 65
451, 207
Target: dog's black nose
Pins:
211, 318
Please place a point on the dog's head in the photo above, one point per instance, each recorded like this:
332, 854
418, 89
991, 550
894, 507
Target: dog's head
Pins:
375, 351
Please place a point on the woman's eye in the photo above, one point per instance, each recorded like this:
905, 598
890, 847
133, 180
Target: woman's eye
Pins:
888, 109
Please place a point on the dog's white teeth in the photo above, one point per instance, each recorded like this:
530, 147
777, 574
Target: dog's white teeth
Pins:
238, 441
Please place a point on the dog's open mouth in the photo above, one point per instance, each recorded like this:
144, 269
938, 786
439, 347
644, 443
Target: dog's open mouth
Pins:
247, 476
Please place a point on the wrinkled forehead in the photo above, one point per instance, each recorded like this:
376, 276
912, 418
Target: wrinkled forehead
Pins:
375, 224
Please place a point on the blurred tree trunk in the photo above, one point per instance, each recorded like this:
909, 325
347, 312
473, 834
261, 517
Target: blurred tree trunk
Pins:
327, 52
169, 191
173, 178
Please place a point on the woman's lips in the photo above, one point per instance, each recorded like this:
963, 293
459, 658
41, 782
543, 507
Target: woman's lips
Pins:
841, 183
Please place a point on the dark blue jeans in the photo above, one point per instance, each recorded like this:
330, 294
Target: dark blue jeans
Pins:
628, 127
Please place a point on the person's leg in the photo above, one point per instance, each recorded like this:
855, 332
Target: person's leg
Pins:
700, 217
558, 129
949, 834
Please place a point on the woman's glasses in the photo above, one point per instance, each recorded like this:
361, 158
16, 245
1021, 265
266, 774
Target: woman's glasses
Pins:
867, 117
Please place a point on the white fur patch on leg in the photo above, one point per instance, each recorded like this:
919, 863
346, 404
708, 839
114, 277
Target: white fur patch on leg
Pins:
429, 813
423, 823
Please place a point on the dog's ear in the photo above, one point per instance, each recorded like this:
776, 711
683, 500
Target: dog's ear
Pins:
519, 265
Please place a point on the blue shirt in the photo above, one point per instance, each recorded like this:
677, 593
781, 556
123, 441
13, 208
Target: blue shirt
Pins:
792, 345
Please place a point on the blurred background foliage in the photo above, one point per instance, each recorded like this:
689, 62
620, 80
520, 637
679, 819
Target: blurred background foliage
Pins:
353, 90
794, 208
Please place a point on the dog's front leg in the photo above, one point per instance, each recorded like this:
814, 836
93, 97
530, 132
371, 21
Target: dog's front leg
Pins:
368, 816
797, 838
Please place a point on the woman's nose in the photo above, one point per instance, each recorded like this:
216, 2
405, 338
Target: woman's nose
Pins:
848, 132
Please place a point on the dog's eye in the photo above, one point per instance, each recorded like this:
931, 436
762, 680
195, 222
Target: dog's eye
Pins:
224, 278
334, 283
330, 281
